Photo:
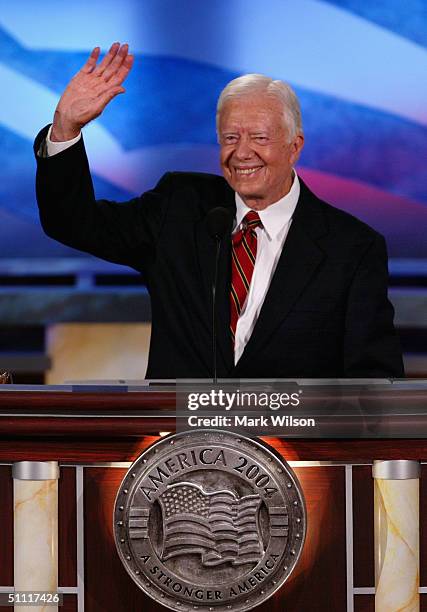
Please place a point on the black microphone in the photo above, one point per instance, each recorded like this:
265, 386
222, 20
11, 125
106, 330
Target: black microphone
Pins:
218, 223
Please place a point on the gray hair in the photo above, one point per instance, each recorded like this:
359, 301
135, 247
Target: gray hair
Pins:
259, 83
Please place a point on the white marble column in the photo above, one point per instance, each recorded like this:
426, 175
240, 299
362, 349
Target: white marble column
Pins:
35, 489
396, 508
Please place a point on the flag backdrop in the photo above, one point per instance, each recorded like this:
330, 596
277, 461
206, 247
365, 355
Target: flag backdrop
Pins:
359, 69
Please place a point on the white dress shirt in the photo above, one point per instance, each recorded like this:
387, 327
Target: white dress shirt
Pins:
52, 148
276, 220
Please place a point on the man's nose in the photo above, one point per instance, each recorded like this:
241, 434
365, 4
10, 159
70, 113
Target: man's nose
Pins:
244, 149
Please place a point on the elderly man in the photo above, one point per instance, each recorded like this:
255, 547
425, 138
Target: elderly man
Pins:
302, 286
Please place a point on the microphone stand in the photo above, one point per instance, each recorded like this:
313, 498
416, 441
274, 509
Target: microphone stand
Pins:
218, 222
214, 330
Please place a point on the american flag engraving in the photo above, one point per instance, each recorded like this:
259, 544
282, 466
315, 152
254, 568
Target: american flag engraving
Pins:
220, 526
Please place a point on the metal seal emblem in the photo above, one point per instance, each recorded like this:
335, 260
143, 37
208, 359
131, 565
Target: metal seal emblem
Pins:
209, 520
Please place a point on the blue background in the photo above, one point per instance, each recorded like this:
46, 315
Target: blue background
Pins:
359, 69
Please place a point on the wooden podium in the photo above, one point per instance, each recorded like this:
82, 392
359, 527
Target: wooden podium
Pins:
95, 436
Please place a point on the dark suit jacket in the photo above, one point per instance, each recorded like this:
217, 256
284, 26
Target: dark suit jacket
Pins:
326, 313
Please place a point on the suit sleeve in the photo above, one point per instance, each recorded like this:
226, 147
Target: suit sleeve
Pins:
371, 345
123, 233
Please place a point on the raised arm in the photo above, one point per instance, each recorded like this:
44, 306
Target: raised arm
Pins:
124, 233
90, 90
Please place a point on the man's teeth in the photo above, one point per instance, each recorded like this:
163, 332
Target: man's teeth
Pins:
247, 170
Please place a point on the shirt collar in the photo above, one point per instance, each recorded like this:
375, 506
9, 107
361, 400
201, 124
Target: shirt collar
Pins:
276, 216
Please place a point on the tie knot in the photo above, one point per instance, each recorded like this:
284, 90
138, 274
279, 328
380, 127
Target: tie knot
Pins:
249, 224
251, 220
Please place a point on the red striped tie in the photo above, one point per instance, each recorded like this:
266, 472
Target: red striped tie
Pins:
243, 251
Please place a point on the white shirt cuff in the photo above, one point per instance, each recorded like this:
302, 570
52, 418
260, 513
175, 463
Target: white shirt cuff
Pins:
53, 148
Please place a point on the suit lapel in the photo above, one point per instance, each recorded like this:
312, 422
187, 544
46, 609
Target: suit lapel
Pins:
223, 305
298, 261
206, 249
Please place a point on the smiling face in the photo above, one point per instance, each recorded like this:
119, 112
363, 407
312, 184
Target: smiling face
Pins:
256, 155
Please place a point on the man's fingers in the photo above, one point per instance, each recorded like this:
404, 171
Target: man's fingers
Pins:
91, 62
108, 58
122, 72
117, 62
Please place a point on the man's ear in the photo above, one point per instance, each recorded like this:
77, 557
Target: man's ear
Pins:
296, 148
